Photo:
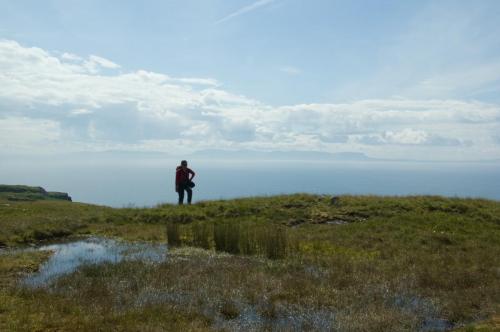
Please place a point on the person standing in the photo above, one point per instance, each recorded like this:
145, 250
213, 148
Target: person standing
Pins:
183, 182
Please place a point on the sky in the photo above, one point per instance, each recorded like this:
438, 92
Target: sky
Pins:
418, 80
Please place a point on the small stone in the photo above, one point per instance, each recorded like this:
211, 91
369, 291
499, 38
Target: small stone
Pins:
335, 200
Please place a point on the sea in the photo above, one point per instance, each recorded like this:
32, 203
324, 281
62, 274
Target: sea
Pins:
139, 183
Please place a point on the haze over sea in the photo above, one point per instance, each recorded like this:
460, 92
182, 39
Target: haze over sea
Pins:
146, 182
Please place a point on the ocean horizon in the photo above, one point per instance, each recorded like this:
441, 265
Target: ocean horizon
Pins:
150, 182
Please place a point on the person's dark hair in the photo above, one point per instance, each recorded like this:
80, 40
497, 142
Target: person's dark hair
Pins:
184, 163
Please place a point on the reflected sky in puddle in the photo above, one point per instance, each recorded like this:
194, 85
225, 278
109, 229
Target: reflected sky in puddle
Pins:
67, 257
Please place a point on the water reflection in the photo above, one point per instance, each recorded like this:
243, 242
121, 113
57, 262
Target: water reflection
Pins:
67, 257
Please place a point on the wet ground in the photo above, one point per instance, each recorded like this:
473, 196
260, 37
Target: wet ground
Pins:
67, 257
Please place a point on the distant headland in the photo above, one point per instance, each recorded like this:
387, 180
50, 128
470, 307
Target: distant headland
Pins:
27, 193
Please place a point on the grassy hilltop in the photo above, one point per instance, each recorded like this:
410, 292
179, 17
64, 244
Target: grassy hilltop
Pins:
358, 263
27, 193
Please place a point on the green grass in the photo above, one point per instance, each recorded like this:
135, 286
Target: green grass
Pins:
30, 222
374, 263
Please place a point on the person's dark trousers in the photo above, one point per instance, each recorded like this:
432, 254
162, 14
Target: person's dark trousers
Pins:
181, 194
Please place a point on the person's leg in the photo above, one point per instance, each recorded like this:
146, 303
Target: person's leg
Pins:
181, 195
190, 194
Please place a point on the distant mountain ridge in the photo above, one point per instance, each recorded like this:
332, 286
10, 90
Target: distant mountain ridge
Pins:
27, 193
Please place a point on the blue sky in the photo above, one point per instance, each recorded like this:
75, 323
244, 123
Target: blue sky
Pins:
392, 79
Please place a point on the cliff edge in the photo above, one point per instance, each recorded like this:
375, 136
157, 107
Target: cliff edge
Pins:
27, 193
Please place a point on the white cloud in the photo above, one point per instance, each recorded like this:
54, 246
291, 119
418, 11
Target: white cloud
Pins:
95, 63
81, 111
406, 136
70, 57
19, 133
103, 62
62, 105
198, 81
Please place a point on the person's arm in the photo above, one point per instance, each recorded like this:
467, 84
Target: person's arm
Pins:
192, 174
177, 179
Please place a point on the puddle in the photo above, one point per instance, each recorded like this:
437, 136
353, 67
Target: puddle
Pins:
67, 257
337, 222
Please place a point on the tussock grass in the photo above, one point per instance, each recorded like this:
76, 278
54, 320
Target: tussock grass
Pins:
173, 235
236, 238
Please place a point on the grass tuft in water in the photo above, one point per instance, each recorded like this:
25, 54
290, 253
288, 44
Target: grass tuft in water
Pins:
173, 234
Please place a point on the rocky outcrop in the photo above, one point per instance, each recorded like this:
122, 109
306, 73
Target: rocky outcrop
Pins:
59, 195
27, 193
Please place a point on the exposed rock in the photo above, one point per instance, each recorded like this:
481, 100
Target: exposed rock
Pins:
59, 195
337, 222
335, 200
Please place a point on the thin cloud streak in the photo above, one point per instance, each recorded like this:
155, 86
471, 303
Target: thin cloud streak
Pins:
245, 10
